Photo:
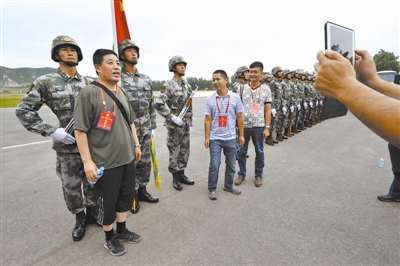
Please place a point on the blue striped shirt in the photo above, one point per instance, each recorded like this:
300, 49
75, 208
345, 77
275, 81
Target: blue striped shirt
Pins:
211, 109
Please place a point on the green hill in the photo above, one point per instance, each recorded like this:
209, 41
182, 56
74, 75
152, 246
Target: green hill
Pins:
21, 77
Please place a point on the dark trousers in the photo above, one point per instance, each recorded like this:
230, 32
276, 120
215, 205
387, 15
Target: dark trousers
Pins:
395, 159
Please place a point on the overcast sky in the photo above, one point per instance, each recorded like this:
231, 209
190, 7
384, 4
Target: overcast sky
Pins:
210, 35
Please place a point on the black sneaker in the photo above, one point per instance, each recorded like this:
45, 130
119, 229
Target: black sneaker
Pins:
388, 198
115, 247
129, 236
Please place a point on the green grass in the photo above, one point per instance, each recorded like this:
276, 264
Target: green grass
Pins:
10, 100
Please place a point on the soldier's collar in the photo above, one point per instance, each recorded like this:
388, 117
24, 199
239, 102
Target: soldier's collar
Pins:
129, 73
179, 82
66, 77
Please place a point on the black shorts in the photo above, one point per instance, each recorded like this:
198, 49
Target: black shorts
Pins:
115, 192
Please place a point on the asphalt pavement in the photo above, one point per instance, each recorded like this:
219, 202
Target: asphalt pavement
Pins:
317, 205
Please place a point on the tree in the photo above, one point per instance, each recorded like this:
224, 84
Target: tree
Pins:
386, 61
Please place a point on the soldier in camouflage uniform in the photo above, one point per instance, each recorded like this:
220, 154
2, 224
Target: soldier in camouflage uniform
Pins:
169, 102
140, 92
58, 91
242, 78
295, 99
303, 104
276, 94
283, 111
266, 78
307, 100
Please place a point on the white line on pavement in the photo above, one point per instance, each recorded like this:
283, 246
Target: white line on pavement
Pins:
27, 144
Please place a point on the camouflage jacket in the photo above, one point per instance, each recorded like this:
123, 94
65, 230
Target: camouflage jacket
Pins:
171, 99
300, 91
276, 93
236, 87
313, 93
286, 94
140, 93
307, 92
58, 91
295, 99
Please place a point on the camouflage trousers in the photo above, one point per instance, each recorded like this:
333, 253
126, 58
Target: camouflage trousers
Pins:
178, 143
278, 122
143, 167
78, 193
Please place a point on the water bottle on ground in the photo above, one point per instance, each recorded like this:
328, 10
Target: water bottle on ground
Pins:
381, 162
99, 174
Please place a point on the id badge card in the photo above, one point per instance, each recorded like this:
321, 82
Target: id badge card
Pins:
222, 120
106, 120
254, 108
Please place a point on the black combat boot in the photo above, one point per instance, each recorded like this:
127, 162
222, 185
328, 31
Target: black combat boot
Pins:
135, 203
145, 196
184, 179
79, 230
176, 181
269, 140
91, 215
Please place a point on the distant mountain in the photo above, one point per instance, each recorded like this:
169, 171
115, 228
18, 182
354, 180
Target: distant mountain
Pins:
24, 76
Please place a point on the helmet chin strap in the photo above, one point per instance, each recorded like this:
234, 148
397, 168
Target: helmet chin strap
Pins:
70, 64
131, 63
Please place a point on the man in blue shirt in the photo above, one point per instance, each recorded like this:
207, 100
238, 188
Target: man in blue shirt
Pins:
221, 111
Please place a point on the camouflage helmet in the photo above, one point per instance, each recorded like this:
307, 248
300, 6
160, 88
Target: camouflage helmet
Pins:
64, 40
239, 72
265, 77
276, 70
285, 72
175, 60
125, 44
294, 72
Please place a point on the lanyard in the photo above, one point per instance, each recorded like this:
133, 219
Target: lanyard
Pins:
104, 102
216, 102
252, 95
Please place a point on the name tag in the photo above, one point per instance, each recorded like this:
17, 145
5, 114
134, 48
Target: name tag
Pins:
222, 120
254, 109
105, 121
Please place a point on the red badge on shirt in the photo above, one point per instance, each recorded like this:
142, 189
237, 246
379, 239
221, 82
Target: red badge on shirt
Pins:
222, 120
105, 121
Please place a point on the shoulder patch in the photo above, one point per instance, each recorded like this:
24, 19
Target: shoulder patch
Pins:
162, 89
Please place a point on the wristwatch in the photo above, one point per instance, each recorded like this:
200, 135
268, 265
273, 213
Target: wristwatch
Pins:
267, 127
137, 145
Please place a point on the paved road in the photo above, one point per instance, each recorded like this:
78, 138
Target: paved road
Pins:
317, 206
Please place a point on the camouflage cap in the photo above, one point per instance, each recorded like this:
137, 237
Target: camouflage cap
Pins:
125, 44
239, 72
64, 40
294, 72
276, 70
175, 60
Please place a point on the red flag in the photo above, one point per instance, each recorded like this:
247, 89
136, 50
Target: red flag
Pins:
120, 26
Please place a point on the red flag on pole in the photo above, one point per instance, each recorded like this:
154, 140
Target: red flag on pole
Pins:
120, 26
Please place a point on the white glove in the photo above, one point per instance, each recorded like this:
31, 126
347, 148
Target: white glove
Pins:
292, 109
177, 120
298, 107
305, 105
190, 129
284, 110
311, 104
321, 102
153, 133
61, 136
273, 112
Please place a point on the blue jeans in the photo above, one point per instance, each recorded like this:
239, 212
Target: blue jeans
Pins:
229, 148
394, 152
256, 135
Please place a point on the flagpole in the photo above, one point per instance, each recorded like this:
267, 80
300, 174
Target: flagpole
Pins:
114, 29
